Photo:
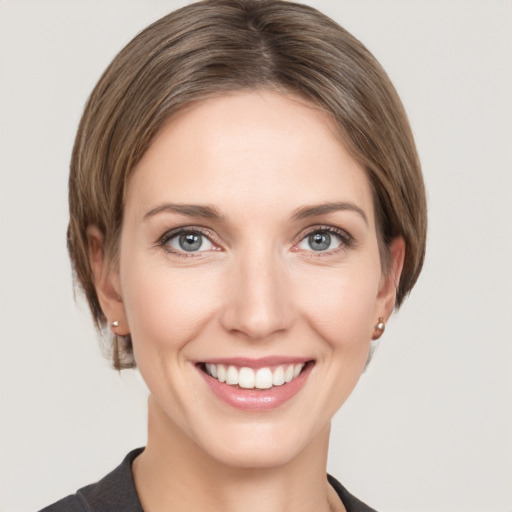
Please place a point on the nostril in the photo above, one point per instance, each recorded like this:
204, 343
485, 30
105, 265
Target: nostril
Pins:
259, 303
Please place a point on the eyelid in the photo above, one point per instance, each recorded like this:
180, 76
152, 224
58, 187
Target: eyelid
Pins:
347, 240
163, 240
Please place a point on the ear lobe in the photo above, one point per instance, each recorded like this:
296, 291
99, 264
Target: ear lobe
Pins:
106, 282
390, 280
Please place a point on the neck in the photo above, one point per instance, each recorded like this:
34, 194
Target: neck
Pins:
174, 473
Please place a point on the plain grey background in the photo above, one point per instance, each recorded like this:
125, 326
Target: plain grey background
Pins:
429, 427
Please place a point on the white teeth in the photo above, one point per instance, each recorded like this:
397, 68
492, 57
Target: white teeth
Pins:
264, 378
278, 376
247, 378
221, 373
212, 369
232, 376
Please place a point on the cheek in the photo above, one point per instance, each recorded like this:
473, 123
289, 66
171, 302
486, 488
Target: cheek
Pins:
339, 305
166, 307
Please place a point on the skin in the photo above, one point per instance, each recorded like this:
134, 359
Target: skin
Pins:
258, 289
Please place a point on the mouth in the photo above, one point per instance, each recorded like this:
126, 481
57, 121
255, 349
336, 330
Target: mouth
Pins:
246, 377
255, 385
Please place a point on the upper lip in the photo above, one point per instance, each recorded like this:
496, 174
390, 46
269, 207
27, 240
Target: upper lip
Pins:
261, 362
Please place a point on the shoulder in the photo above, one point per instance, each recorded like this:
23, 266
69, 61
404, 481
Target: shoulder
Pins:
68, 504
352, 504
115, 493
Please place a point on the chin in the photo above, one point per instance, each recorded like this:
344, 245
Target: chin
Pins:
261, 445
255, 454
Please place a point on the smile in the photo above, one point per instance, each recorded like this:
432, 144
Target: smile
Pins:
255, 385
249, 378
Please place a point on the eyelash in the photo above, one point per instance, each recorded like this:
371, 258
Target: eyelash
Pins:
346, 240
164, 240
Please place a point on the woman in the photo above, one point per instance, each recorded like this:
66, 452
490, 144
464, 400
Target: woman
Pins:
246, 210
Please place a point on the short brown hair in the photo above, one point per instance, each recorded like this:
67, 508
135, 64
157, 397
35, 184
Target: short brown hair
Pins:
215, 46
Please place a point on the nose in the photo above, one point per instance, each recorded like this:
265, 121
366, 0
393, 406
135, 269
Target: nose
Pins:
258, 300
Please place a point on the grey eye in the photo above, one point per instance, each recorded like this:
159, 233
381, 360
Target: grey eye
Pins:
191, 241
320, 241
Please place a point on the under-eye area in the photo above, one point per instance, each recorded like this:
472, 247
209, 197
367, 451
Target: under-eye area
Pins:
245, 377
193, 241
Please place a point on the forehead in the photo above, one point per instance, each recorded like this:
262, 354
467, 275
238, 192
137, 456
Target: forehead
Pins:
256, 149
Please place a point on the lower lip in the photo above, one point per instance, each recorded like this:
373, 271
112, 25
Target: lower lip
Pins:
257, 399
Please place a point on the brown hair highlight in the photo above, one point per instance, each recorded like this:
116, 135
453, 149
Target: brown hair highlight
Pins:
217, 46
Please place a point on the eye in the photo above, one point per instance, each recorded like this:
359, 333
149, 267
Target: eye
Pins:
323, 240
188, 241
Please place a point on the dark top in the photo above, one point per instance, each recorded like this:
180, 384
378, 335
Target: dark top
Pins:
116, 493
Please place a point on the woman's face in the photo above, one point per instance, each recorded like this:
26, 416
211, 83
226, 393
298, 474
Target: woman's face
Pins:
249, 242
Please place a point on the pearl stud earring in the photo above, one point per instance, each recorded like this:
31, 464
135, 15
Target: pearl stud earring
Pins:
378, 330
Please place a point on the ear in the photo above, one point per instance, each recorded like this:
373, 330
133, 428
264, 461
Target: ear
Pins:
106, 282
389, 281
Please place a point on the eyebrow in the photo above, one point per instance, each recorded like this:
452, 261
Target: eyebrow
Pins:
209, 212
324, 208
191, 210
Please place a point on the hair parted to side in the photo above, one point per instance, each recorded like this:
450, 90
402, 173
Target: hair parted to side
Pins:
216, 46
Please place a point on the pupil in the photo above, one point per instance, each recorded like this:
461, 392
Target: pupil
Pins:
320, 241
190, 242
